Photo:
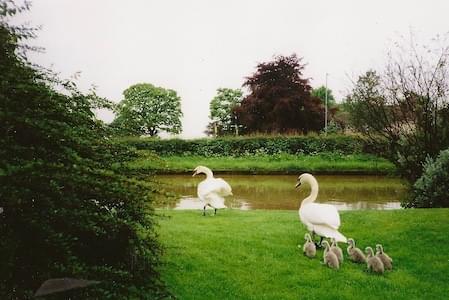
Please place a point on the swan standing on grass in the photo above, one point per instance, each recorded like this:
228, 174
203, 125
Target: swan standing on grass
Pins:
212, 190
320, 219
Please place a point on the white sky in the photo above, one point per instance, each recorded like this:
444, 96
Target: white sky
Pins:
195, 47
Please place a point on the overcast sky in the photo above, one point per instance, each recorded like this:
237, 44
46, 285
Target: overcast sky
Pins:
195, 47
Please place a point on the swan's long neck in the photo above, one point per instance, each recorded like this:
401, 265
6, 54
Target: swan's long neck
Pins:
208, 173
313, 193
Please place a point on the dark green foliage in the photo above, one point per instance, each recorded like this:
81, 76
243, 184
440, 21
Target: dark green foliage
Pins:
66, 212
431, 189
237, 146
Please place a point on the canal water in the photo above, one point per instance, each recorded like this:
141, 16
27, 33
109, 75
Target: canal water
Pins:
346, 192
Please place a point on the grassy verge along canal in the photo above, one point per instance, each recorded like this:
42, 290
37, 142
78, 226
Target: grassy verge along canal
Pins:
254, 255
269, 164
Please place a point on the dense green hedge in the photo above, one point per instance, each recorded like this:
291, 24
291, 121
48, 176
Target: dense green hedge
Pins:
238, 146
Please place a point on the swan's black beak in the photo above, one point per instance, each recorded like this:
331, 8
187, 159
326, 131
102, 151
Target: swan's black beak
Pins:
297, 184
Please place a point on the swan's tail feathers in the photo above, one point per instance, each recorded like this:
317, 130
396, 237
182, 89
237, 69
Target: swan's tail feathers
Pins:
216, 201
340, 237
329, 232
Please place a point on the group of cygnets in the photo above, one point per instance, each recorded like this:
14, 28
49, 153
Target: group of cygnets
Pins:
333, 255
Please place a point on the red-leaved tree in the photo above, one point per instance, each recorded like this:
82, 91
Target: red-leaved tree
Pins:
280, 99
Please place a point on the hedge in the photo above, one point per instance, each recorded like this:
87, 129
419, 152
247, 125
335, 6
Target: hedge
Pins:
240, 146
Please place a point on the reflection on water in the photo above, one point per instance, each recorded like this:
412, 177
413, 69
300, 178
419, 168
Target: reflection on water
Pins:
278, 192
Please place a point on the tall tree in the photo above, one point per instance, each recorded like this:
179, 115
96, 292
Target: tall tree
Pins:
221, 108
407, 104
147, 110
280, 99
335, 115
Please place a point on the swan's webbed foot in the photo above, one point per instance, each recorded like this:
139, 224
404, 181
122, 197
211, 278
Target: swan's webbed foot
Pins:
204, 210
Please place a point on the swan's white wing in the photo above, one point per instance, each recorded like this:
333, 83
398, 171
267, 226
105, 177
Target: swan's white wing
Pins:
204, 188
214, 185
320, 214
213, 191
224, 189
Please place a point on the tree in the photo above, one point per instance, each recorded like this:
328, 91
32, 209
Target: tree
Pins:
406, 105
65, 210
147, 110
336, 114
280, 99
221, 108
321, 94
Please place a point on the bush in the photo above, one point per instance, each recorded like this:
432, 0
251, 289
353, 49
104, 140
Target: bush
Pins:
65, 211
240, 146
430, 190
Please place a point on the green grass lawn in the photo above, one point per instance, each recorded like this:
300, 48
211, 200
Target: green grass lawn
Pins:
282, 163
254, 255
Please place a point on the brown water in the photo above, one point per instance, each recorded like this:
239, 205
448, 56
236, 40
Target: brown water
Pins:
278, 191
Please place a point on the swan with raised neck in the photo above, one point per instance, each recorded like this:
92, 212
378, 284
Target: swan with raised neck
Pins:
308, 178
319, 218
211, 191
203, 170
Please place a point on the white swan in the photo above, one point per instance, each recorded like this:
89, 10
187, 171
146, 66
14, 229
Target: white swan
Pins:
320, 219
212, 190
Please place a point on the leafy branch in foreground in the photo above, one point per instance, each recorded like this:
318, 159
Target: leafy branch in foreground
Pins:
66, 212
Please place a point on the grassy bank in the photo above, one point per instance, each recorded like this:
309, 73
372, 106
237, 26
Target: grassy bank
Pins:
254, 255
280, 163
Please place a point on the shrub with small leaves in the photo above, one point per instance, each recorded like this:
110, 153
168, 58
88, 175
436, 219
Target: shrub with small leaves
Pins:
430, 190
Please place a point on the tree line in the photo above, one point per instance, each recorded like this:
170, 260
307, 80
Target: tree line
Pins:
281, 100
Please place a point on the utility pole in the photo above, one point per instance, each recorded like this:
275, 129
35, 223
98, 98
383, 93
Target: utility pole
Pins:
325, 107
